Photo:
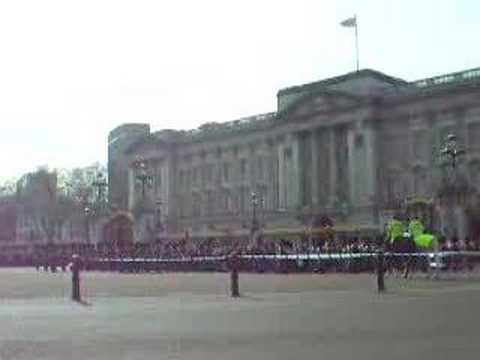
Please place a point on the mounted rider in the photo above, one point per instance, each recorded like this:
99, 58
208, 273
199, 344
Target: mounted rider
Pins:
401, 242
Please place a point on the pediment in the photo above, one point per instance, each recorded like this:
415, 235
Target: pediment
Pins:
323, 102
367, 85
363, 83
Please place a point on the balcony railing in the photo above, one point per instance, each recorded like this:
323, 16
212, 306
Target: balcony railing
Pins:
460, 76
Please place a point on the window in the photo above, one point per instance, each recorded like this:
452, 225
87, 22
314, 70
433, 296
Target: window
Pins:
475, 172
226, 172
420, 145
181, 179
358, 140
243, 168
196, 205
210, 203
420, 182
158, 179
227, 201
260, 169
204, 170
473, 136
244, 200
210, 173
195, 177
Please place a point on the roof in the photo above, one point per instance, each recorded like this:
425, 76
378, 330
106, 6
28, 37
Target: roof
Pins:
300, 94
342, 78
234, 127
459, 76
305, 97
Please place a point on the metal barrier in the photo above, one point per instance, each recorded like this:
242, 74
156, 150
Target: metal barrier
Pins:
335, 262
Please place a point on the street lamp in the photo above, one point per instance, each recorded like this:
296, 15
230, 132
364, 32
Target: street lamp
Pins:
452, 189
88, 213
158, 204
143, 177
254, 200
451, 151
101, 184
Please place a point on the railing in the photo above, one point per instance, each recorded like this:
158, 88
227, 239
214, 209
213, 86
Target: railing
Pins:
301, 262
460, 76
269, 262
214, 129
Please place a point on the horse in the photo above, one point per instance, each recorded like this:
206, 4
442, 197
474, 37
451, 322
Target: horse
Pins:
407, 241
400, 245
425, 242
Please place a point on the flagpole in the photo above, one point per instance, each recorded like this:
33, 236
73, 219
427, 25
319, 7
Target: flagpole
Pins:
356, 41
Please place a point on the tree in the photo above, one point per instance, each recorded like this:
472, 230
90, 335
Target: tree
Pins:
47, 199
42, 205
8, 217
8, 187
78, 183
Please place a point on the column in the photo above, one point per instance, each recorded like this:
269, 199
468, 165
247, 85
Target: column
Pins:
314, 182
281, 177
351, 166
251, 168
371, 163
361, 165
164, 187
295, 175
332, 171
131, 188
272, 178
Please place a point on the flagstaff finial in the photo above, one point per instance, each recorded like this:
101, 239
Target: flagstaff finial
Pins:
352, 22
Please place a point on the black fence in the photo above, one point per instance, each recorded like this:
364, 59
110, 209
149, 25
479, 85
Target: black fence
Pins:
264, 263
297, 263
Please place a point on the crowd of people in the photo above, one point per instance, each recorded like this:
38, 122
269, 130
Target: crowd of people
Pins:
456, 244
182, 249
214, 247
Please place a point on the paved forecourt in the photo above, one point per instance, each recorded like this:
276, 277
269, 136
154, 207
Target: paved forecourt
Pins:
191, 316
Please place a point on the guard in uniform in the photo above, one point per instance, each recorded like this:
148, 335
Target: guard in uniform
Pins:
234, 265
76, 266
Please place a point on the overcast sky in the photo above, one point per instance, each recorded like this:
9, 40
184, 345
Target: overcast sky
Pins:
70, 71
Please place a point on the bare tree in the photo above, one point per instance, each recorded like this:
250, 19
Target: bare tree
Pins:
8, 187
42, 205
79, 183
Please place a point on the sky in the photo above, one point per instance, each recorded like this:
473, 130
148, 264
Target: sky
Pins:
71, 71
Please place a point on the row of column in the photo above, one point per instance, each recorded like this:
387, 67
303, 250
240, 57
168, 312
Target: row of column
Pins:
290, 178
342, 167
316, 155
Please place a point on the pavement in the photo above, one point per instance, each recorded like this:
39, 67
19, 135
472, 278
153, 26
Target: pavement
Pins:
191, 316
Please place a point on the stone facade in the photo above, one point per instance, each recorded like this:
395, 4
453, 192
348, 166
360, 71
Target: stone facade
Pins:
8, 220
349, 147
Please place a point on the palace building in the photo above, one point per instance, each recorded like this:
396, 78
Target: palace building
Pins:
352, 148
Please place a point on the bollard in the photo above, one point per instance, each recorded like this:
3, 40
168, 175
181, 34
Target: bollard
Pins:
380, 271
76, 264
234, 264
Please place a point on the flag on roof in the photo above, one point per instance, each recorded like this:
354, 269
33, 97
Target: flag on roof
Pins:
350, 22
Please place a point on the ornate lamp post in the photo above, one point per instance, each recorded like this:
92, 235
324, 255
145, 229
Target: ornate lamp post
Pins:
451, 151
255, 225
159, 204
143, 177
453, 190
88, 212
101, 184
